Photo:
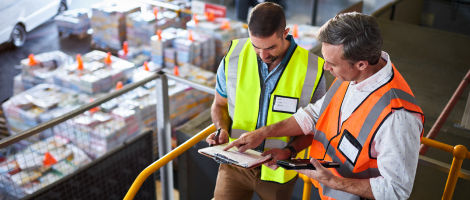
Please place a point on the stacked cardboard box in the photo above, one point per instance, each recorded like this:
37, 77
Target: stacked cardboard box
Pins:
141, 26
162, 50
75, 22
38, 165
222, 30
39, 70
109, 23
96, 76
94, 132
38, 105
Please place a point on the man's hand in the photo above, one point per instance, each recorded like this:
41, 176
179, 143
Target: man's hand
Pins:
360, 187
321, 174
248, 140
276, 154
223, 138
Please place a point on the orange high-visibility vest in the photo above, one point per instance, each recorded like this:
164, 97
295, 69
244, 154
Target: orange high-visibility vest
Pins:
349, 144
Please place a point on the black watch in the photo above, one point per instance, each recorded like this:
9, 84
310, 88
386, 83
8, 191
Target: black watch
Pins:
292, 150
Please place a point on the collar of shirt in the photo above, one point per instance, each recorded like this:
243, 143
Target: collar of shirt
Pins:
265, 73
377, 79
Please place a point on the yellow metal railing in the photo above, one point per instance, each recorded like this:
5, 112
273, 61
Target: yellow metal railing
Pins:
166, 159
459, 152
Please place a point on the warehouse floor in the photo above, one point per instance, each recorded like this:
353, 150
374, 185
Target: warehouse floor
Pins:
433, 63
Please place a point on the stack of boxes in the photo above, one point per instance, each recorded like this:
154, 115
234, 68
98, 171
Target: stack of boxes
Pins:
75, 22
96, 76
141, 26
39, 69
40, 164
162, 52
38, 105
188, 50
222, 30
95, 132
108, 22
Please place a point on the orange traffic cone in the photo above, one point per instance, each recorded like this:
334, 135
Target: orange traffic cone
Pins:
32, 61
196, 21
119, 85
80, 62
48, 159
146, 66
225, 25
95, 109
155, 12
211, 16
295, 31
190, 36
107, 60
125, 48
176, 71
159, 34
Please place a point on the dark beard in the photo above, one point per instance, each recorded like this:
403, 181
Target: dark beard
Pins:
271, 59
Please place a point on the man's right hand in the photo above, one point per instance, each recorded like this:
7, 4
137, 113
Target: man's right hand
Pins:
223, 138
248, 140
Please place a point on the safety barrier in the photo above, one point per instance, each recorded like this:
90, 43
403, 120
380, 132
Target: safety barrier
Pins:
165, 159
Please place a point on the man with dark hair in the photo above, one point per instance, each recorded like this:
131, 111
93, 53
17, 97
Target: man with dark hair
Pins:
262, 80
368, 121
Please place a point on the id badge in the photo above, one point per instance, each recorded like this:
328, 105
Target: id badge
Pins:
349, 147
285, 104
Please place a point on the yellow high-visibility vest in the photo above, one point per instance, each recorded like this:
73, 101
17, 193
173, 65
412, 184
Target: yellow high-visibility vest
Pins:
294, 89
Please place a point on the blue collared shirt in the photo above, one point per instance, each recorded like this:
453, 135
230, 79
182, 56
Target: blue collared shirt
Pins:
268, 83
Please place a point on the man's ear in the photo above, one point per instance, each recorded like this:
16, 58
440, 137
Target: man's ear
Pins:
362, 65
284, 35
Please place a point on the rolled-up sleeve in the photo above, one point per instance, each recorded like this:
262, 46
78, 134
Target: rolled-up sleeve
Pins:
221, 85
397, 148
307, 117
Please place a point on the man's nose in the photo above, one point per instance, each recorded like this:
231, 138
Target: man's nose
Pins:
326, 67
264, 54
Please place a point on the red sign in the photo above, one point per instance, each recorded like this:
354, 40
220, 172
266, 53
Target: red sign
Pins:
219, 11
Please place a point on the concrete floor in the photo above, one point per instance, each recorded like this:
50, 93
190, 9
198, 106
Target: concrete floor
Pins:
433, 66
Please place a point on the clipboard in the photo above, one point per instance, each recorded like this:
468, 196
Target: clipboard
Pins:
248, 159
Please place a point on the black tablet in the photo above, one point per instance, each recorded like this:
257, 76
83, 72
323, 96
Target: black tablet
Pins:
304, 164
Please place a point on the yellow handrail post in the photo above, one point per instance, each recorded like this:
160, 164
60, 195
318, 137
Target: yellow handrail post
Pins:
460, 152
307, 187
166, 159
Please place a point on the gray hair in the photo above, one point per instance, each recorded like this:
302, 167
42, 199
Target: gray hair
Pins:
358, 33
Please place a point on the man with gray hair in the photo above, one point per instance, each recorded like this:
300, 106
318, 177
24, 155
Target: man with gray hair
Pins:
368, 121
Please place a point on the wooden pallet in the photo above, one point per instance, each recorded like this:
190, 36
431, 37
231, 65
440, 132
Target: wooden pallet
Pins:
79, 36
105, 49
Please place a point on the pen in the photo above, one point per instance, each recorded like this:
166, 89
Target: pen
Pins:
216, 138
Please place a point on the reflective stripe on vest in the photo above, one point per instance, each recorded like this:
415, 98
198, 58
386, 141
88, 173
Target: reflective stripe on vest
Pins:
298, 80
363, 123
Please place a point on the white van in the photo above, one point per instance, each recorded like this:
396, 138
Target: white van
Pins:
20, 16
